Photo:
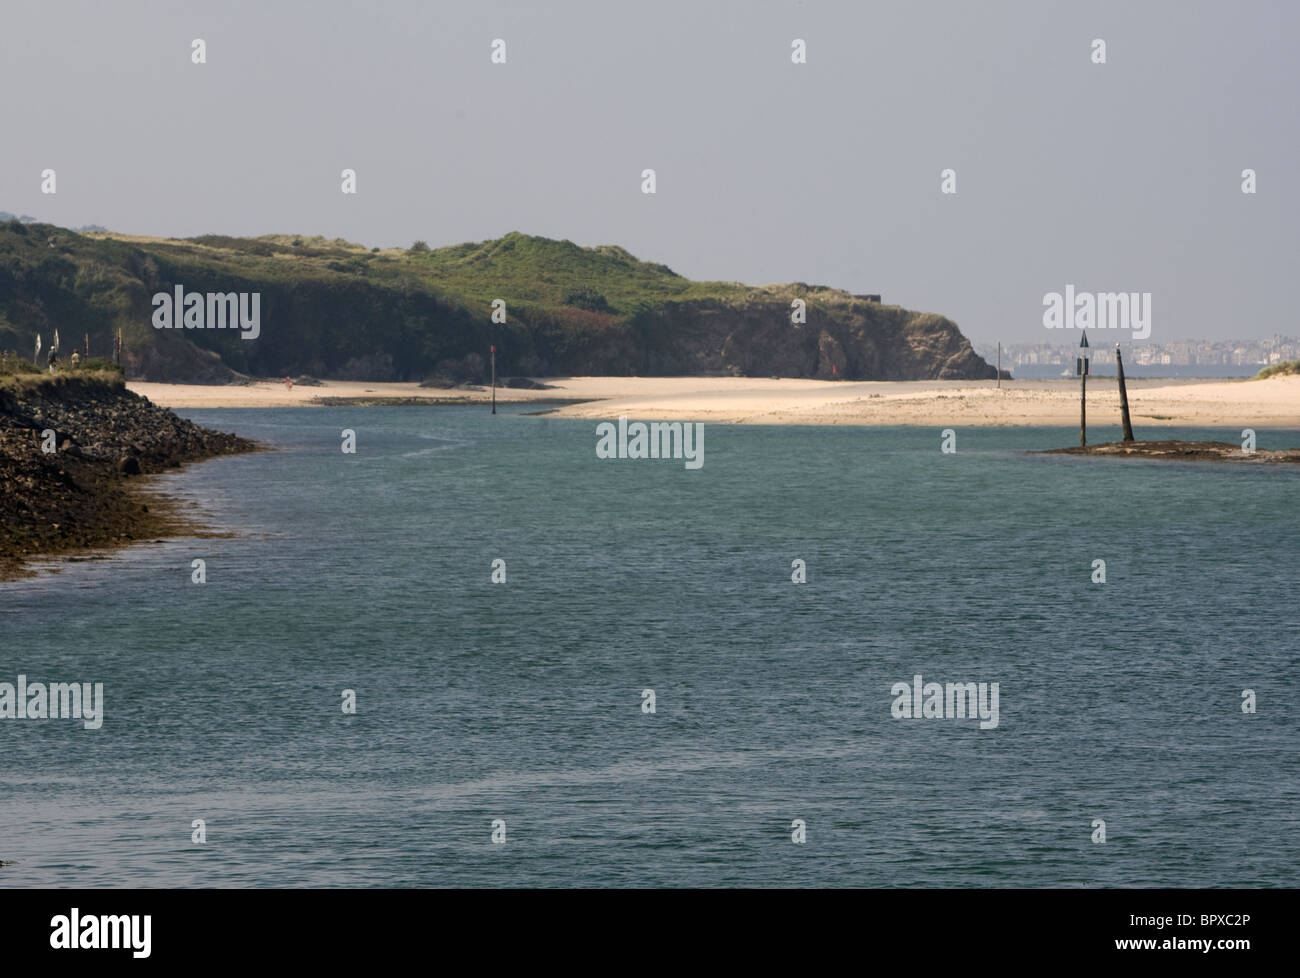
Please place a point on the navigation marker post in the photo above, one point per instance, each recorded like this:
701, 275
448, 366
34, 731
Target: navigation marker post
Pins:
494, 378
1081, 365
1123, 397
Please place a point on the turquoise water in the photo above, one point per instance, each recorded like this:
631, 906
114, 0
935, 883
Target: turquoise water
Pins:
523, 701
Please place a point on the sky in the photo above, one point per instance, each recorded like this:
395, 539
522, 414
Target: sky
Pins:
1122, 176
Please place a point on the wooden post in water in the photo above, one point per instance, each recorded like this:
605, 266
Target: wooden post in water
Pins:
1123, 396
494, 378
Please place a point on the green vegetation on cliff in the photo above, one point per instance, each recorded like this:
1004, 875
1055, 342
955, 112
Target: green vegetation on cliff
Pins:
331, 308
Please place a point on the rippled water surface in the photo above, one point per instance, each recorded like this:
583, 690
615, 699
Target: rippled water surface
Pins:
523, 701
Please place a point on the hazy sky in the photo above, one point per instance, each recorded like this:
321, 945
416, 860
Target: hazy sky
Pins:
1117, 177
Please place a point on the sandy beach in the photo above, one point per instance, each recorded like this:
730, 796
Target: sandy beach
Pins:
1274, 402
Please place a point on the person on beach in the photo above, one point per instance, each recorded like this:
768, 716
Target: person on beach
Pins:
76, 358
288, 384
51, 358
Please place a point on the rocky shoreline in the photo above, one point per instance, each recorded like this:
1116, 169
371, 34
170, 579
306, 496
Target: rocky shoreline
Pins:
1181, 451
84, 494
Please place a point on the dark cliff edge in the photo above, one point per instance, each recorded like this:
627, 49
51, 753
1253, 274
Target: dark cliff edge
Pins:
337, 310
87, 494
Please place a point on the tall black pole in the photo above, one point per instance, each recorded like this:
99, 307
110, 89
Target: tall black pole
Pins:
494, 379
1123, 396
1083, 405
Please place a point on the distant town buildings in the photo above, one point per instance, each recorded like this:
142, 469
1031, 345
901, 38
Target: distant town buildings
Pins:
1245, 353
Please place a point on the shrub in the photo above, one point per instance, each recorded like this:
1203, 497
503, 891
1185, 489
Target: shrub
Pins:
587, 298
99, 363
12, 363
1279, 369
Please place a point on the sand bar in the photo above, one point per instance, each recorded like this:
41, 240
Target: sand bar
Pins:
1271, 403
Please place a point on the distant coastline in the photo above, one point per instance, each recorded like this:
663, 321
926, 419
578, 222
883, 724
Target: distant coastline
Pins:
1145, 371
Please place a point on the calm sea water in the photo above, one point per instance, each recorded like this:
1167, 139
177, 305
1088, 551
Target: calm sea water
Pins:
523, 701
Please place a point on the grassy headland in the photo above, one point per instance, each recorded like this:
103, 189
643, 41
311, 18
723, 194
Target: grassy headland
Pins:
334, 309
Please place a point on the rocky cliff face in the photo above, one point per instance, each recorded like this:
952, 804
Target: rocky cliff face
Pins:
849, 340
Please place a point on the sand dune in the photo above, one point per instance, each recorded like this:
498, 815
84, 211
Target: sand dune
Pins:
1274, 402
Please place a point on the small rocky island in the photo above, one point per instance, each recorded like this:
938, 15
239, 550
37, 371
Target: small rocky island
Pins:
71, 445
1186, 451
1178, 451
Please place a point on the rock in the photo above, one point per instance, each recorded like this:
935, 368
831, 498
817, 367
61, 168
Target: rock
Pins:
104, 432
